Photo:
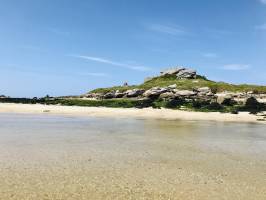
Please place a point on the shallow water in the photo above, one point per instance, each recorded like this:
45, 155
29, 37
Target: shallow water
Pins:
55, 157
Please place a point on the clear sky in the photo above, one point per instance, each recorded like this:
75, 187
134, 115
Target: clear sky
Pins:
63, 47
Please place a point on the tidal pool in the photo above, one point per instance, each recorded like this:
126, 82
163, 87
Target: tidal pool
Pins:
57, 157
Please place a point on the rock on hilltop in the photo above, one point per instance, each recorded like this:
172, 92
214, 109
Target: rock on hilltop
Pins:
180, 72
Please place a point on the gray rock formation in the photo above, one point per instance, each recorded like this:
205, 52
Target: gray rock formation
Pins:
134, 92
93, 96
170, 87
109, 95
180, 72
225, 99
172, 71
154, 92
167, 95
119, 94
187, 73
204, 91
185, 93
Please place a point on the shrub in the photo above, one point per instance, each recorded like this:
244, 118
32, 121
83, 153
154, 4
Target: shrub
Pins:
174, 103
252, 105
215, 106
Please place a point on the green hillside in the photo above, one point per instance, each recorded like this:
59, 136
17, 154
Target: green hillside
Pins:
187, 84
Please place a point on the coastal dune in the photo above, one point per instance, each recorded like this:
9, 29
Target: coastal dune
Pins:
147, 113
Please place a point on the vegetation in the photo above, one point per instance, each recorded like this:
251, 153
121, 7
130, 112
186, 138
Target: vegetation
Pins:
186, 84
252, 106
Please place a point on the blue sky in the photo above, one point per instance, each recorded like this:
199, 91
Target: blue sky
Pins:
63, 47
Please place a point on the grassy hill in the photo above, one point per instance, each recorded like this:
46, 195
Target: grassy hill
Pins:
186, 84
161, 81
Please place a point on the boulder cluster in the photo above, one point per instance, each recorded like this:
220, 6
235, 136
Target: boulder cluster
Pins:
156, 92
171, 92
180, 72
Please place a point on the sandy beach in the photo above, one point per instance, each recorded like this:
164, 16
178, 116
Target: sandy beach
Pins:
147, 113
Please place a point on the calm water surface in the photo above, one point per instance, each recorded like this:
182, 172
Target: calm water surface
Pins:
55, 157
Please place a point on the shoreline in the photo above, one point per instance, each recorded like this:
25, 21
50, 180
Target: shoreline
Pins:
145, 113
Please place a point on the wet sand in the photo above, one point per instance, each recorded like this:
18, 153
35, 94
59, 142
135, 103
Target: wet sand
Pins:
147, 113
56, 157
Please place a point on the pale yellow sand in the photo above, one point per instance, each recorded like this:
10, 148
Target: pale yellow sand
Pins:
127, 112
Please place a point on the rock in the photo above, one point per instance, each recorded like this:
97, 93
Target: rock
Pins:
180, 72
172, 86
109, 95
134, 92
167, 95
225, 99
93, 96
261, 98
154, 92
172, 71
250, 92
118, 94
187, 73
186, 93
204, 90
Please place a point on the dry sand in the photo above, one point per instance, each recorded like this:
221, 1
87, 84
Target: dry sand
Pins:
147, 113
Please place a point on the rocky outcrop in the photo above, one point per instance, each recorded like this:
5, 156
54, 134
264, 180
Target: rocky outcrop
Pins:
180, 72
186, 74
134, 93
224, 98
203, 94
185, 93
201, 98
119, 94
170, 87
109, 95
172, 71
92, 96
155, 92
167, 95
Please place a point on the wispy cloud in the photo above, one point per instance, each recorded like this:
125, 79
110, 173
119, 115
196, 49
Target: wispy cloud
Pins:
210, 55
236, 67
263, 1
114, 63
167, 29
261, 27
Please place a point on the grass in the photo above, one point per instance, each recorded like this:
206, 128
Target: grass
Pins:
186, 84
111, 103
136, 103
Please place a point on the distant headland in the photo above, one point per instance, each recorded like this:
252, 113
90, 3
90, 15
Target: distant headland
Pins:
178, 88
